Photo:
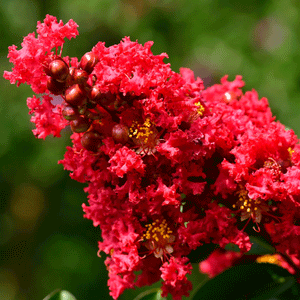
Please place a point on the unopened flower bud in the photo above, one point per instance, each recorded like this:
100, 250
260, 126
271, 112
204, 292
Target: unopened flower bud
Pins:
81, 124
120, 133
55, 87
71, 71
75, 95
70, 79
80, 76
59, 70
88, 62
95, 94
69, 113
91, 140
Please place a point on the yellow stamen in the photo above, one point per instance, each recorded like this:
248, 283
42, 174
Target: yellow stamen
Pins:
158, 238
144, 135
200, 108
291, 151
250, 208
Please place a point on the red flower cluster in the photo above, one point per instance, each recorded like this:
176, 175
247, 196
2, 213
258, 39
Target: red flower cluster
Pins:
169, 165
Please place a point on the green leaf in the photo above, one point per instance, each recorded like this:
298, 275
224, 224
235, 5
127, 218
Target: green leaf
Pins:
260, 246
272, 290
249, 280
153, 294
60, 295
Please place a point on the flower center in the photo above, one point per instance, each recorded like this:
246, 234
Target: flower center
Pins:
200, 109
274, 167
290, 151
158, 238
194, 115
250, 208
144, 135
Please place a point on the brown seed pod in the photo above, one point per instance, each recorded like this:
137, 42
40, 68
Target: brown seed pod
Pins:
55, 87
81, 124
58, 70
80, 76
95, 94
88, 62
70, 79
75, 95
71, 71
120, 133
91, 140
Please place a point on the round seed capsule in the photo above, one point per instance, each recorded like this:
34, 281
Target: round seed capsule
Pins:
88, 62
95, 94
91, 141
58, 69
80, 76
80, 124
120, 133
55, 87
75, 95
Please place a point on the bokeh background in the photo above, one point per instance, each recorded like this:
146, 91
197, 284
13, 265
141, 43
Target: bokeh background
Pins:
45, 243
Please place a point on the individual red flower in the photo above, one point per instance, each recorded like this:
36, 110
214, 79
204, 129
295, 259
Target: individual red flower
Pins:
126, 160
46, 116
218, 261
285, 234
174, 275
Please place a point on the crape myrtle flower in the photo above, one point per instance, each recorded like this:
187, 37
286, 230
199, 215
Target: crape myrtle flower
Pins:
30, 59
285, 235
29, 67
220, 260
168, 165
262, 174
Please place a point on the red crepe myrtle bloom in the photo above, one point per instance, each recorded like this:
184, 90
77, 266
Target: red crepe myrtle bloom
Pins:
169, 166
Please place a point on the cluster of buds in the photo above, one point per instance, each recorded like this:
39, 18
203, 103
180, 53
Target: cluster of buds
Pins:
85, 106
82, 99
169, 165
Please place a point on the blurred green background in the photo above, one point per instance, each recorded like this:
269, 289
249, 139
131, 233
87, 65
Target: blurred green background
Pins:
44, 241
